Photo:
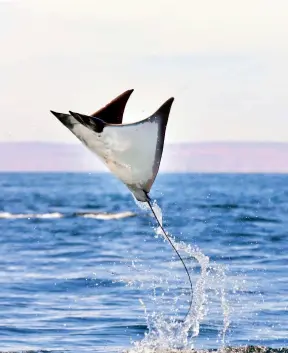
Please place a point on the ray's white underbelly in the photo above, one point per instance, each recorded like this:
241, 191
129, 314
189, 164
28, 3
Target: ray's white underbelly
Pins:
128, 153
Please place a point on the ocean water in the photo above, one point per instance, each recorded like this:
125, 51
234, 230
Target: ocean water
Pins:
82, 268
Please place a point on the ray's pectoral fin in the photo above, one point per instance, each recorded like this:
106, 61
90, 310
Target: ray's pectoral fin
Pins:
138, 149
113, 112
160, 120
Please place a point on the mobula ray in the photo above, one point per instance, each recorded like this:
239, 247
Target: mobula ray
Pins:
132, 152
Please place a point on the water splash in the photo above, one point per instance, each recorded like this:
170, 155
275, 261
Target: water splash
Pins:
168, 332
97, 215
224, 305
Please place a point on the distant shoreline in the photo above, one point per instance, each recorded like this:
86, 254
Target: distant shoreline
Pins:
195, 157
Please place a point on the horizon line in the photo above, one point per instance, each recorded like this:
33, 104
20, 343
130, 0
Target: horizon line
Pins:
167, 143
160, 172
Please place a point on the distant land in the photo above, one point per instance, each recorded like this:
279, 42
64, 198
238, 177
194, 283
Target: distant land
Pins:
205, 157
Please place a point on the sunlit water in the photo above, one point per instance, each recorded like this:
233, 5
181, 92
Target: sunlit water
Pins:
84, 269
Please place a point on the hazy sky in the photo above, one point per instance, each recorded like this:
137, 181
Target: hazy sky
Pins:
224, 61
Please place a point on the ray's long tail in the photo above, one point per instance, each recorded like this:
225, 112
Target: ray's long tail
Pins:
174, 248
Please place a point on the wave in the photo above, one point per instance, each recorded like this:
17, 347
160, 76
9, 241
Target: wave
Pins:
8, 215
224, 206
96, 215
257, 219
107, 216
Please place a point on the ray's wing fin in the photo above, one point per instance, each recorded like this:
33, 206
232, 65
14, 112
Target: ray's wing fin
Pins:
160, 119
112, 113
85, 135
137, 149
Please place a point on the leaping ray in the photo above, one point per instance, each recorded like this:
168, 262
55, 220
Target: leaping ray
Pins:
131, 151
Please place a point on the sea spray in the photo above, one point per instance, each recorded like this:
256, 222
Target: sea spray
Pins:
166, 332
220, 270
169, 333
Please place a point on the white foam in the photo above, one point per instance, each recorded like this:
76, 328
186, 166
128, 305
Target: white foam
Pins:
102, 216
8, 215
109, 216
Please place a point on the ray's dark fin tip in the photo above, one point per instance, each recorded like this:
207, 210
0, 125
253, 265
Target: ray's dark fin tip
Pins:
73, 113
78, 115
112, 113
59, 116
94, 124
126, 94
122, 97
54, 113
165, 108
129, 91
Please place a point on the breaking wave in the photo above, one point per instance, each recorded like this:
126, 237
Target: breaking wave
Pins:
96, 215
8, 215
108, 216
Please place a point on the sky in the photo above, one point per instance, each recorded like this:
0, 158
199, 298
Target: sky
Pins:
224, 61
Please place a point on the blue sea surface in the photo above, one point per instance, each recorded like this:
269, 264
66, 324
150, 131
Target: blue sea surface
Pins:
73, 282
